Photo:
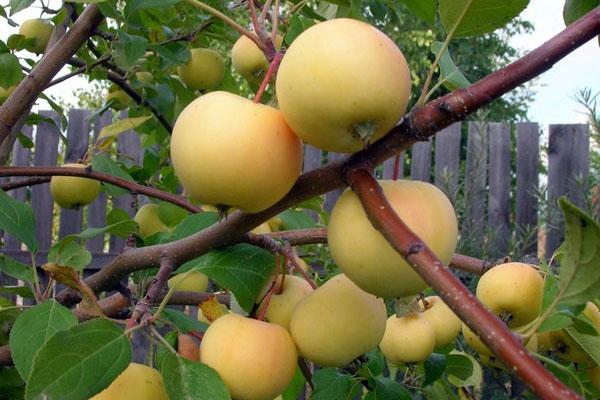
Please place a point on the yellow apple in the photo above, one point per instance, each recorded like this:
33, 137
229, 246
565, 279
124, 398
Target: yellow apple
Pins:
368, 259
255, 359
342, 84
5, 92
144, 77
594, 374
205, 69
148, 220
194, 282
407, 339
445, 324
227, 150
137, 382
512, 291
281, 306
74, 191
38, 29
249, 61
118, 99
275, 223
337, 323
261, 229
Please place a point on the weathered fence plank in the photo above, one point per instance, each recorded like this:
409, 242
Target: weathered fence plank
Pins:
420, 162
447, 159
568, 167
312, 158
499, 188
388, 168
331, 197
528, 166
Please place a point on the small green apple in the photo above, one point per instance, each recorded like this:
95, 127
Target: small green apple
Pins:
74, 191
205, 69
38, 29
194, 282
149, 221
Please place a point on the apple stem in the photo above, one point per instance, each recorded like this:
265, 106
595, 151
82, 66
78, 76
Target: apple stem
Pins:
270, 72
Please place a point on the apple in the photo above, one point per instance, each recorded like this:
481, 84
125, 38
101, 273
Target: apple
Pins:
144, 77
281, 305
365, 255
512, 291
594, 374
148, 220
491, 361
249, 61
194, 282
337, 323
118, 99
477, 344
38, 29
205, 69
255, 359
261, 229
275, 223
137, 382
5, 92
74, 191
445, 324
407, 339
227, 150
342, 85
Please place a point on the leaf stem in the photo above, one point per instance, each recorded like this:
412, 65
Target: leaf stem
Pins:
36, 282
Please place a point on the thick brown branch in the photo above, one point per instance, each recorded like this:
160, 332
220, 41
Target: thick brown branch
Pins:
494, 333
28, 90
470, 264
424, 121
133, 187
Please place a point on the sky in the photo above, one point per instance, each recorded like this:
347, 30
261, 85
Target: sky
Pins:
554, 89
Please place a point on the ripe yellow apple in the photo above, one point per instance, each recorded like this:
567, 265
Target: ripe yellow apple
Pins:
594, 374
445, 324
137, 382
477, 344
368, 259
205, 69
118, 98
249, 61
281, 306
342, 84
148, 220
227, 150
144, 77
337, 323
73, 191
275, 223
5, 92
194, 282
255, 359
407, 339
37, 29
261, 229
512, 291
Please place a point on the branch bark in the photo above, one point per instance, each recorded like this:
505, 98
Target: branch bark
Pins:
492, 331
133, 187
29, 88
418, 125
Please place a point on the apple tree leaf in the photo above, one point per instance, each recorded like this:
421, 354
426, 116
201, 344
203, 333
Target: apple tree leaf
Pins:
115, 129
33, 328
78, 363
10, 70
589, 343
452, 78
330, 384
19, 5
463, 370
476, 17
575, 9
15, 269
16, 218
580, 263
194, 223
243, 269
185, 380
424, 9
103, 163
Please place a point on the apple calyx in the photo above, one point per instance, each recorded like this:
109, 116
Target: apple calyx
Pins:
364, 131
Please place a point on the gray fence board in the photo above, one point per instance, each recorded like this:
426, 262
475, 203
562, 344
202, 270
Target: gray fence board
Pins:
331, 197
528, 166
312, 158
388, 168
447, 159
420, 162
499, 188
568, 167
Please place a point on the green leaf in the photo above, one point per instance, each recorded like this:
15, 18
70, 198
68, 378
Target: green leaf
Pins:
10, 70
193, 224
78, 363
182, 321
129, 48
121, 228
161, 351
25, 141
424, 9
476, 17
555, 321
589, 343
115, 129
296, 219
298, 24
15, 269
450, 75
243, 269
463, 370
33, 328
18, 5
185, 380
385, 389
11, 384
170, 214
103, 163
16, 218
434, 368
580, 263
296, 386
22, 291
70, 254
333, 385
575, 9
